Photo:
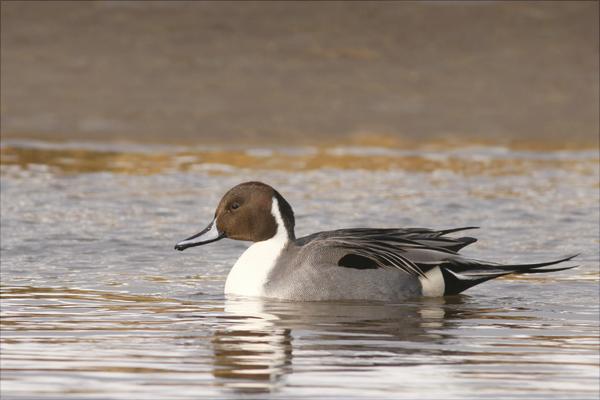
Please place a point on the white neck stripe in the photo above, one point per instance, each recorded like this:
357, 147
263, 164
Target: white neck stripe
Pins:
281, 230
250, 273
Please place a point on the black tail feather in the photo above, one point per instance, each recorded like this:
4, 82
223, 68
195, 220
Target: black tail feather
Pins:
459, 276
527, 267
543, 271
454, 284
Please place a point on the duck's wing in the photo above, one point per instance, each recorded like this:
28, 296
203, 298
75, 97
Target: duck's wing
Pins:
369, 248
416, 251
420, 236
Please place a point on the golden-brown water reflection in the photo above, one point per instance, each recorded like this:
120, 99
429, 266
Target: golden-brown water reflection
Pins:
72, 161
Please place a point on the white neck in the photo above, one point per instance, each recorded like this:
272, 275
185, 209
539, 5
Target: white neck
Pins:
251, 271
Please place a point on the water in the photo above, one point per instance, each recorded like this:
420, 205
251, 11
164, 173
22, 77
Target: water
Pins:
96, 303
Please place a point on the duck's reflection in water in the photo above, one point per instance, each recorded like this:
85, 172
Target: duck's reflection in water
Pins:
254, 353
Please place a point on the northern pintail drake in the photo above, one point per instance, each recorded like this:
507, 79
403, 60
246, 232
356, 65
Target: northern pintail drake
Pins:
345, 264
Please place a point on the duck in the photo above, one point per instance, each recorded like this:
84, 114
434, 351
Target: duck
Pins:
355, 264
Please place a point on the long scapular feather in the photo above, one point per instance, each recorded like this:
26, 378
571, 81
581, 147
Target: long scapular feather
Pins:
447, 231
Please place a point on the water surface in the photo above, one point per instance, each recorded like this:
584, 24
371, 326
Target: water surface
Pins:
96, 303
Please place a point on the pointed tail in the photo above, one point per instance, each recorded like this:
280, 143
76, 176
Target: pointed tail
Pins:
462, 274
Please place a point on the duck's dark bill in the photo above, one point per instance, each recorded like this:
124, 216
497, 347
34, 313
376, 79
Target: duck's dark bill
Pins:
208, 235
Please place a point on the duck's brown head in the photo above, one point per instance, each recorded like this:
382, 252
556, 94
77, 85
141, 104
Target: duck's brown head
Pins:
251, 211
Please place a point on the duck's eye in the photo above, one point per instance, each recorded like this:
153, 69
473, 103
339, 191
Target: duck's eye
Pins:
235, 206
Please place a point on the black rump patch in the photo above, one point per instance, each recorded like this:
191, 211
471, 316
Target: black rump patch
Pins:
357, 262
454, 285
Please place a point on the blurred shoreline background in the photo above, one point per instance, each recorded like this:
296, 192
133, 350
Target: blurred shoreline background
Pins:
388, 74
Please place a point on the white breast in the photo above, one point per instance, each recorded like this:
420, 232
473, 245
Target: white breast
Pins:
251, 271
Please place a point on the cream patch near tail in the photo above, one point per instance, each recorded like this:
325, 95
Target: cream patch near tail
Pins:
433, 283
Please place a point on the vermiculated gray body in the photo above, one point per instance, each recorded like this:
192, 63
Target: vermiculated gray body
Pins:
311, 273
